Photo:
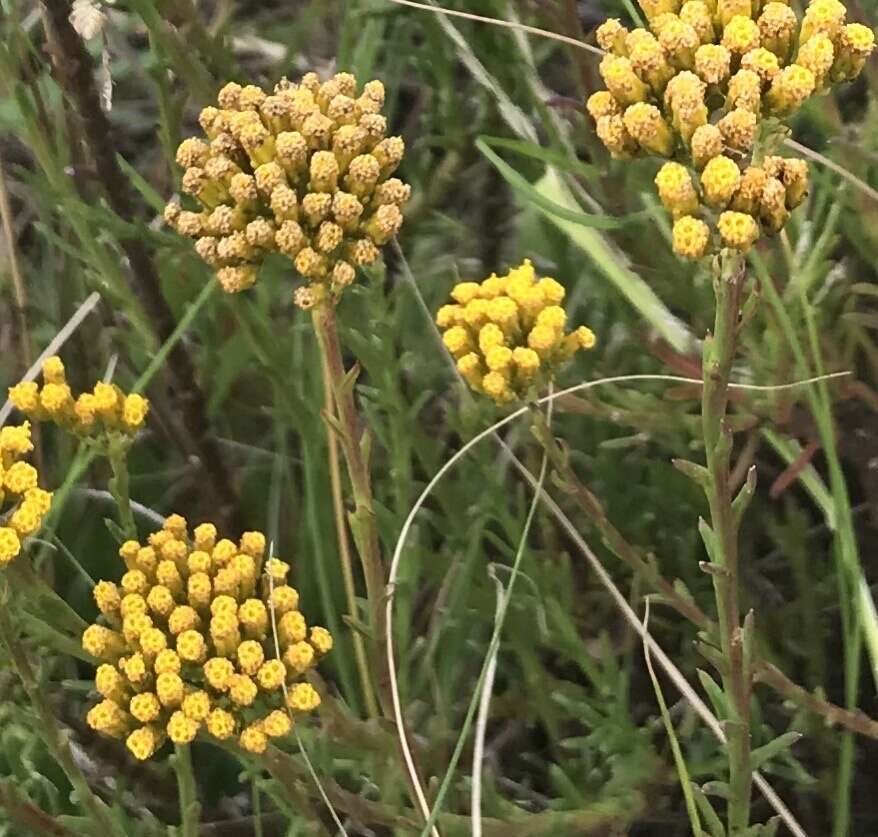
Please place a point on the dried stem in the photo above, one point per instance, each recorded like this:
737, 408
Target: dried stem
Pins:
854, 720
354, 446
74, 72
721, 537
344, 549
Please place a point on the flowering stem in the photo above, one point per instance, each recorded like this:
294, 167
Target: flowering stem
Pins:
721, 536
102, 823
354, 447
344, 550
119, 486
190, 809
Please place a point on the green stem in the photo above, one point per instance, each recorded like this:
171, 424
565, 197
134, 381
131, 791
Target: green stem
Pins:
354, 446
190, 809
102, 823
119, 486
719, 353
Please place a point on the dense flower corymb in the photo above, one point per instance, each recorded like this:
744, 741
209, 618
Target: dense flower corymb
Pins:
23, 504
106, 409
508, 333
304, 171
698, 85
187, 642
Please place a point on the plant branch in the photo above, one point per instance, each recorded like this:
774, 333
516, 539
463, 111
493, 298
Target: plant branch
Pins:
117, 454
854, 720
344, 549
355, 441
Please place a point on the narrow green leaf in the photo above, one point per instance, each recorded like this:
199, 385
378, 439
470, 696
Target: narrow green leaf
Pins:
768, 751
546, 155
712, 821
150, 195
526, 190
714, 693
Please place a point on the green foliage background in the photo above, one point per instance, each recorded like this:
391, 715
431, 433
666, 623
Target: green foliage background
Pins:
503, 165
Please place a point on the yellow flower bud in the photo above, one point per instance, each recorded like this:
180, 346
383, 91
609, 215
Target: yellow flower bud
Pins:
817, 55
777, 27
712, 62
707, 143
738, 128
221, 724
697, 14
691, 237
719, 180
789, 89
612, 133
621, 80
303, 698
738, 230
646, 125
676, 190
610, 36
253, 739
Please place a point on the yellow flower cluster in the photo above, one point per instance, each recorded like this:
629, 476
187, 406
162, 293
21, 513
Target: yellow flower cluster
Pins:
106, 409
698, 85
304, 171
23, 504
187, 642
508, 334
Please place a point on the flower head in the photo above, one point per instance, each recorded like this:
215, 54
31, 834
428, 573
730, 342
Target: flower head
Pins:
508, 333
23, 504
106, 409
186, 647
703, 83
306, 171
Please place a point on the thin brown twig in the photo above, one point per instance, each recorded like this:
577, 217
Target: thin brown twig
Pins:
73, 68
853, 720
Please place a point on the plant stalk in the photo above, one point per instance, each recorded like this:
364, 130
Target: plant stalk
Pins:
102, 823
190, 809
722, 541
344, 550
354, 443
119, 486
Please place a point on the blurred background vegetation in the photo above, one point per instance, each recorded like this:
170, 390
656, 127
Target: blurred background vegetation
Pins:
503, 166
